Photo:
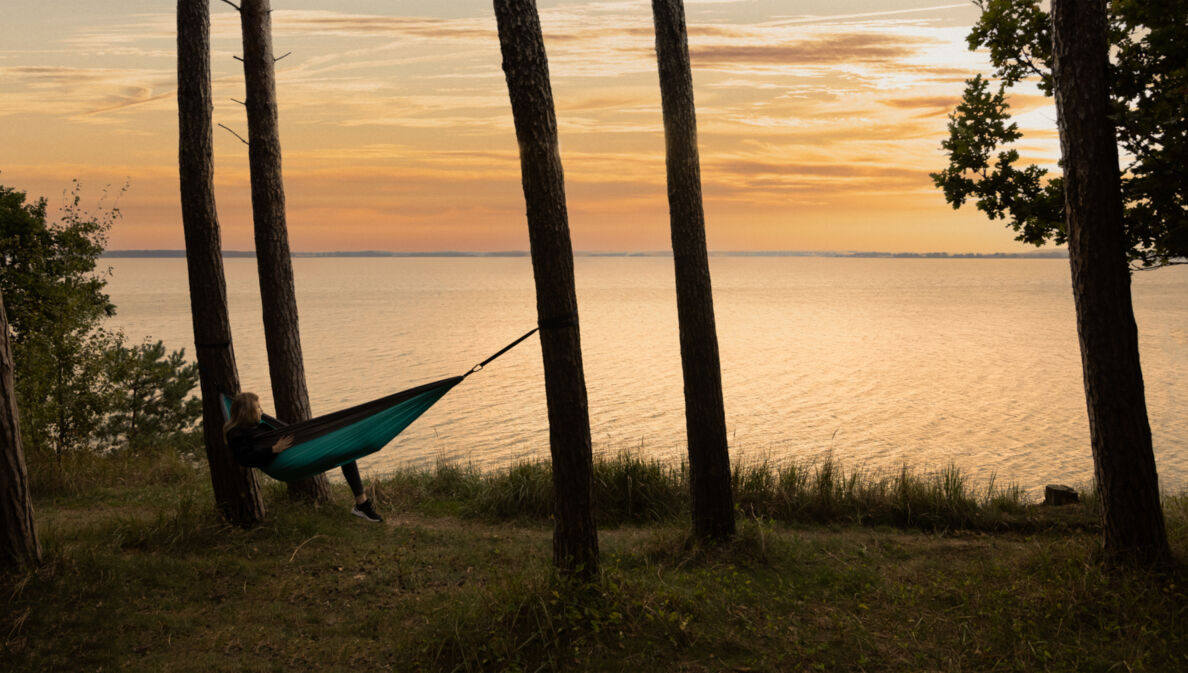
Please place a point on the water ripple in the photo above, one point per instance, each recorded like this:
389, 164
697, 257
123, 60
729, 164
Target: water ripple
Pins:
876, 362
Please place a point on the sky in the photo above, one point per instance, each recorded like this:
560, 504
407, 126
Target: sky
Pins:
818, 122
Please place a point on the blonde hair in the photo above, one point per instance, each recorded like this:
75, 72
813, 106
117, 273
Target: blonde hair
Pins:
243, 412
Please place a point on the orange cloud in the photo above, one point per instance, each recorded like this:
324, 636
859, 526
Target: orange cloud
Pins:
828, 50
923, 102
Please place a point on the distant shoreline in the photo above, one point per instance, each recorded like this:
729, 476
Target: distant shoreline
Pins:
1039, 254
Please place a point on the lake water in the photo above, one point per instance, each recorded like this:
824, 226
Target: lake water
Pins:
879, 362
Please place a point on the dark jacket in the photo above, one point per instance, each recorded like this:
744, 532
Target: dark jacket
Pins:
245, 449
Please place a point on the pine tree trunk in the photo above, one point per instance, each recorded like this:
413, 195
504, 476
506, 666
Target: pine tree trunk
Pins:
1124, 462
18, 540
575, 538
282, 336
235, 490
705, 415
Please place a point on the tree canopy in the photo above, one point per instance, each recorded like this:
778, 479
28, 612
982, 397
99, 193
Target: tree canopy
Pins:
1148, 89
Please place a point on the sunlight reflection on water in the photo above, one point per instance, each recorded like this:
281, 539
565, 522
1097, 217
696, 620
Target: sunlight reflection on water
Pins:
878, 361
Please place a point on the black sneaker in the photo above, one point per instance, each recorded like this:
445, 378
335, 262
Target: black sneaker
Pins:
365, 511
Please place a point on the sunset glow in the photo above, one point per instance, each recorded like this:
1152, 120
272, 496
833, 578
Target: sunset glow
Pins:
819, 122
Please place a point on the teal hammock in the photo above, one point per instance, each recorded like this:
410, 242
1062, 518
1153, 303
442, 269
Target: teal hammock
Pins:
326, 442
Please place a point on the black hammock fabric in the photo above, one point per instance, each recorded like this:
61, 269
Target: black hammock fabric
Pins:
325, 442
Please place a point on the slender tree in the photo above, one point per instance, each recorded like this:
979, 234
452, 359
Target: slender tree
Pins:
525, 64
236, 493
705, 415
18, 540
274, 263
1124, 463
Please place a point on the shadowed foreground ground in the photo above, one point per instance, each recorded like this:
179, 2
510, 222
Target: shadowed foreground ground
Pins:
142, 577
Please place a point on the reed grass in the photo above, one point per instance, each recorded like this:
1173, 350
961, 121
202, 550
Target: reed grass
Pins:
827, 492
631, 489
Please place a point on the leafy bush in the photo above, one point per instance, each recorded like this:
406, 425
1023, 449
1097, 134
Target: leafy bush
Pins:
79, 387
149, 397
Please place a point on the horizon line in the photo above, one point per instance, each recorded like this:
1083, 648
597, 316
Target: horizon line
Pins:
1058, 253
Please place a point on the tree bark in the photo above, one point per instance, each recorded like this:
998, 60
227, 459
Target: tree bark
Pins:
274, 263
525, 64
236, 493
1124, 463
705, 415
18, 543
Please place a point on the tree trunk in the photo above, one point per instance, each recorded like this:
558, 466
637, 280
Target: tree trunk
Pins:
278, 297
236, 493
575, 538
705, 416
1124, 463
18, 542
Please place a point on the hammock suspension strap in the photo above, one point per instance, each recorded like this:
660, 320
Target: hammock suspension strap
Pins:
559, 322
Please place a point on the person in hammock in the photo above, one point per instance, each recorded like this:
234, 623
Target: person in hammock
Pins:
242, 430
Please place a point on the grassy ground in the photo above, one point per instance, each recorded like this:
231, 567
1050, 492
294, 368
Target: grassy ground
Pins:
139, 575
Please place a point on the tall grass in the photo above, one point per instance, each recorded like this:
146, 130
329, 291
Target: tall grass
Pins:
825, 492
630, 489
627, 489
74, 473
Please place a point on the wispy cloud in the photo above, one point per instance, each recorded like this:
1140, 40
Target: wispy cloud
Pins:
44, 76
130, 97
79, 93
848, 48
922, 102
835, 18
337, 24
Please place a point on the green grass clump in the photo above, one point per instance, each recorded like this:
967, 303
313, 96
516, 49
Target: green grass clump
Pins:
632, 489
521, 491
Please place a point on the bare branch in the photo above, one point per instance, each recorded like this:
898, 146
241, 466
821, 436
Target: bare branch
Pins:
1030, 65
1138, 266
280, 57
232, 4
233, 100
236, 135
237, 58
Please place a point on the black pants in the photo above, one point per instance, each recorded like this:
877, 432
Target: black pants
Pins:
351, 472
